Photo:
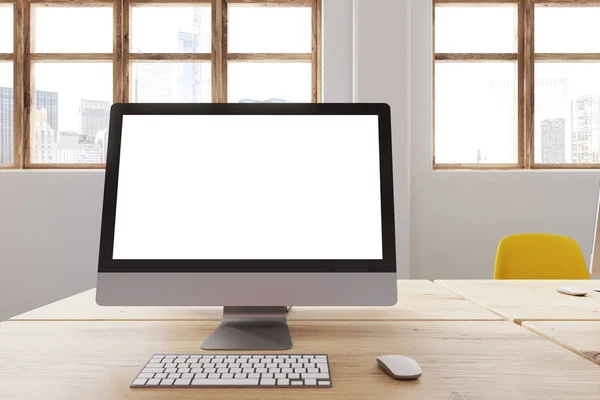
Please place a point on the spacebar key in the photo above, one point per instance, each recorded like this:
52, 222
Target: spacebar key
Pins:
225, 382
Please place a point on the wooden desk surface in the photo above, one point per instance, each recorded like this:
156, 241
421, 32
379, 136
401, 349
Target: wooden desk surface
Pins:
460, 360
417, 300
530, 300
582, 337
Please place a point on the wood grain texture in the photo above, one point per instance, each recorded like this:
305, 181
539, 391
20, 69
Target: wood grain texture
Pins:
417, 300
581, 337
317, 66
460, 360
527, 300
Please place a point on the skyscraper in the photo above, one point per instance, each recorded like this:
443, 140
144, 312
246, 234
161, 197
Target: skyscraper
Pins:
585, 121
94, 119
553, 141
47, 101
6, 125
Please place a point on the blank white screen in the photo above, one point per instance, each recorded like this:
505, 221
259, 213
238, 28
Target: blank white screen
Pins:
249, 187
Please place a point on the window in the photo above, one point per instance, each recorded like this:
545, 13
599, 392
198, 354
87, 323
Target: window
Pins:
517, 84
72, 59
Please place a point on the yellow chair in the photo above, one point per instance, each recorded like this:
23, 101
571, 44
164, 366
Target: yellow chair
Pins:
539, 256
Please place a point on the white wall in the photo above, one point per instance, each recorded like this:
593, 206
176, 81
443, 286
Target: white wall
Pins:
49, 233
457, 218
381, 74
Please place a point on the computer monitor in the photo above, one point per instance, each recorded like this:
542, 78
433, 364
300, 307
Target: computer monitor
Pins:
595, 259
253, 207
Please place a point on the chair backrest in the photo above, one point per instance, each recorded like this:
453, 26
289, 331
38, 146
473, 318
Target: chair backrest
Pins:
539, 256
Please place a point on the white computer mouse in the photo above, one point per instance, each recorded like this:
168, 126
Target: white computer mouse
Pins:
400, 367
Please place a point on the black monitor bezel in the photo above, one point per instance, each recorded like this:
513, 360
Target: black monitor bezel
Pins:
107, 264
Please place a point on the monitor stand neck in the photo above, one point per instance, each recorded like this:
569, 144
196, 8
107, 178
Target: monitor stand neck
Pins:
251, 328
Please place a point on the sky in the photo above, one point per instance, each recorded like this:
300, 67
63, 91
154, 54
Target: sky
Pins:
155, 29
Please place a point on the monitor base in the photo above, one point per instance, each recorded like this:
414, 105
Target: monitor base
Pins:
251, 328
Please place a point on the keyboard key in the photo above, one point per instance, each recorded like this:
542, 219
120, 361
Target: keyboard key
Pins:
174, 376
280, 376
201, 376
321, 357
324, 383
187, 376
312, 370
323, 368
272, 365
266, 376
171, 370
196, 370
170, 365
315, 376
167, 382
294, 376
225, 382
240, 376
321, 361
267, 382
221, 365
297, 383
261, 370
160, 376
254, 376
310, 382
183, 382
274, 370
145, 376
248, 370
310, 365
227, 376
183, 365
283, 382
139, 382
235, 370
222, 370
210, 370
245, 356
296, 365
300, 370
259, 365
152, 371
214, 376
208, 365
288, 370
153, 382
234, 365
220, 357
183, 370
284, 365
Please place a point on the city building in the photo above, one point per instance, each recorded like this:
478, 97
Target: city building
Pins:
585, 122
553, 141
94, 118
46, 101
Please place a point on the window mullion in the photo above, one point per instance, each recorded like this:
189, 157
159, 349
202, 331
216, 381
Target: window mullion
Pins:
528, 140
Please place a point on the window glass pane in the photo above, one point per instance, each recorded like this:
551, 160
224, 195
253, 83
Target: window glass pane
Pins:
170, 82
567, 113
169, 29
6, 113
476, 29
72, 29
269, 82
567, 30
255, 29
6, 28
69, 123
476, 115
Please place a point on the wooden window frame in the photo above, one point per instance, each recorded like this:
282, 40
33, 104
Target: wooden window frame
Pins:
526, 57
22, 59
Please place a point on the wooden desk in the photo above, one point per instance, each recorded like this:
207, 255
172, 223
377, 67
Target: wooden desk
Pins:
530, 300
460, 360
581, 337
417, 300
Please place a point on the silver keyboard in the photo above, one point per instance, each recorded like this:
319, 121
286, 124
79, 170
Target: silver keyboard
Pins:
235, 370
